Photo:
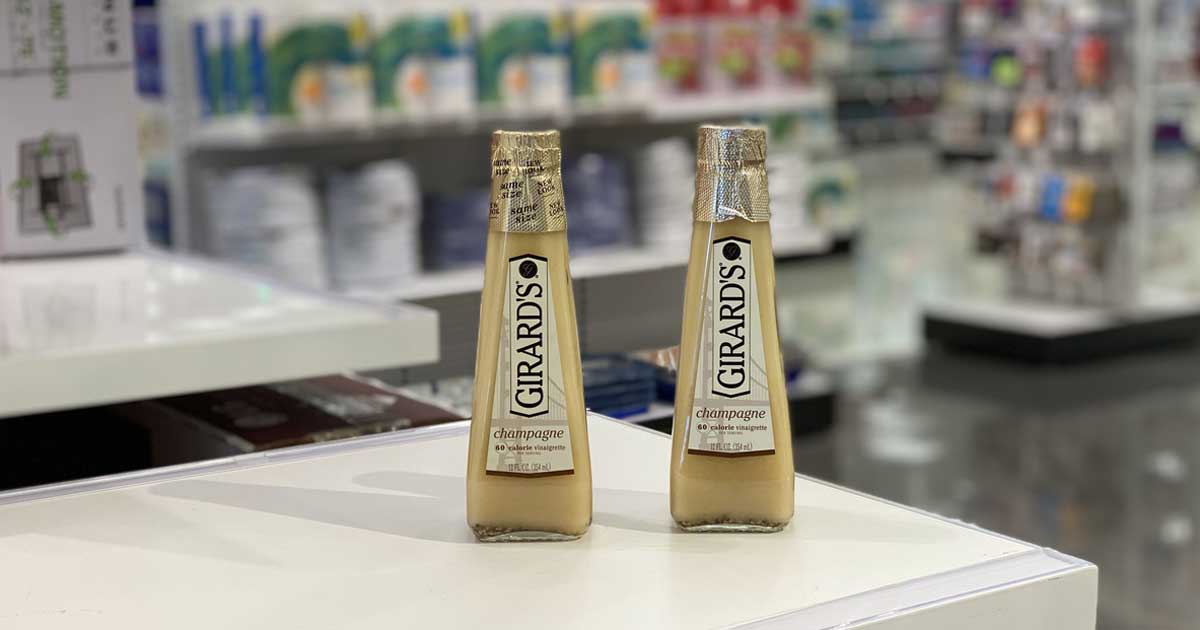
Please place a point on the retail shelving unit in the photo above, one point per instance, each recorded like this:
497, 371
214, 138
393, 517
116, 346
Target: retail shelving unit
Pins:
980, 93
588, 265
371, 533
235, 138
1083, 273
84, 331
890, 82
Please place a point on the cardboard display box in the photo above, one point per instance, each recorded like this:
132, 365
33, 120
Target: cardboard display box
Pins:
69, 174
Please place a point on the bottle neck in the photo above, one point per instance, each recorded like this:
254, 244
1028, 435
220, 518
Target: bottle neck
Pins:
725, 192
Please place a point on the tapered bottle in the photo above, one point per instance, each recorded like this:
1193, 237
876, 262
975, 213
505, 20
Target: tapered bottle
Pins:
731, 466
528, 470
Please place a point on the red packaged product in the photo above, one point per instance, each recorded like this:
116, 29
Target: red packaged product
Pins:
733, 59
786, 44
679, 45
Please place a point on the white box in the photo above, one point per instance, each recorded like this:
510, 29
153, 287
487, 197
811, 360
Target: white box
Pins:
69, 175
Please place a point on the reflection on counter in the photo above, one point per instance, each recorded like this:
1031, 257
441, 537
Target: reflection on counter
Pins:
1095, 462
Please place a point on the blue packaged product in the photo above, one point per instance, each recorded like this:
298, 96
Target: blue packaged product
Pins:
597, 187
204, 73
230, 94
1053, 188
146, 48
975, 63
617, 386
256, 66
455, 229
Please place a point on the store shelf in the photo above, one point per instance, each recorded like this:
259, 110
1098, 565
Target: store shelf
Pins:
1182, 92
591, 265
249, 134
371, 533
83, 331
739, 104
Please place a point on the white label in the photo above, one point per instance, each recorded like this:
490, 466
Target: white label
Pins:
529, 434
731, 404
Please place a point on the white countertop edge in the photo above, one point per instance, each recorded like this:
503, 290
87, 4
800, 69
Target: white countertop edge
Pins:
869, 607
1024, 567
393, 310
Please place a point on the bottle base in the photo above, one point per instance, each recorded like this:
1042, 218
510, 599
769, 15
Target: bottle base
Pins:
502, 535
732, 527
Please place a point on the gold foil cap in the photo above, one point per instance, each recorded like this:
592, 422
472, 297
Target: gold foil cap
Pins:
527, 191
731, 175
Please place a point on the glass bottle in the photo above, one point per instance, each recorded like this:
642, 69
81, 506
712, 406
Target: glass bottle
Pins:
528, 470
731, 466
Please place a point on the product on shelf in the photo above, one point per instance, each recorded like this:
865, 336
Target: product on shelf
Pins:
1091, 61
1100, 127
1066, 226
787, 43
997, 53
731, 460
891, 80
273, 65
612, 64
831, 200
733, 51
303, 61
529, 469
1066, 76
618, 386
268, 219
207, 58
789, 182
423, 60
679, 46
374, 218
830, 26
666, 172
452, 227
523, 56
601, 213
334, 85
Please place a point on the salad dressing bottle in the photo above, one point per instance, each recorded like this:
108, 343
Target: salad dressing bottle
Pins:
731, 466
528, 469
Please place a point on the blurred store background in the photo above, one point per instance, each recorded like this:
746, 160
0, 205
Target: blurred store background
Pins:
985, 218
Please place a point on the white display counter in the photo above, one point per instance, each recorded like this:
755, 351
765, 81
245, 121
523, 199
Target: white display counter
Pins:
1045, 332
90, 330
371, 533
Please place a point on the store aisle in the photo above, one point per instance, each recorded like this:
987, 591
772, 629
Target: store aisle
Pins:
1100, 460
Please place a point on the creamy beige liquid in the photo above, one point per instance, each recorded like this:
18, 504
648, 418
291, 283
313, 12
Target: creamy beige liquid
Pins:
751, 492
504, 508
